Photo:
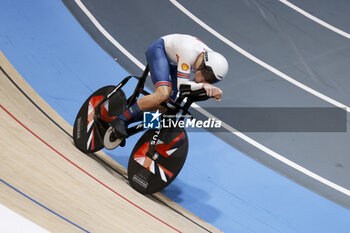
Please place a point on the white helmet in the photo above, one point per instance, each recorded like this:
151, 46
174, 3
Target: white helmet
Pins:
217, 63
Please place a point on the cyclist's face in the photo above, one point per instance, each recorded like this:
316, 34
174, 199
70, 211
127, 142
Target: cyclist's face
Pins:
203, 73
199, 78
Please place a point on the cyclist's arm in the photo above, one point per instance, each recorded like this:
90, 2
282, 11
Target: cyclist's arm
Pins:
184, 82
188, 85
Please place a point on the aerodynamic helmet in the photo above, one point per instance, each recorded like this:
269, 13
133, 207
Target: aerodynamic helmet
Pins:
216, 64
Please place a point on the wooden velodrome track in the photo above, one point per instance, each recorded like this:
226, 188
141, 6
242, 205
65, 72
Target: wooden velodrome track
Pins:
47, 180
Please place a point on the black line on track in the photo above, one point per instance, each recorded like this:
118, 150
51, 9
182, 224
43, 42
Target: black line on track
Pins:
42, 111
95, 156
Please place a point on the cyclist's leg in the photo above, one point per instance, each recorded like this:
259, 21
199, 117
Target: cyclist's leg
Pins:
173, 74
160, 73
152, 101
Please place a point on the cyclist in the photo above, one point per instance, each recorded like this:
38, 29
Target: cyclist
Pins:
171, 61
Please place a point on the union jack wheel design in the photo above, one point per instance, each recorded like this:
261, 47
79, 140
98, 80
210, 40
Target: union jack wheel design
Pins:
93, 118
150, 173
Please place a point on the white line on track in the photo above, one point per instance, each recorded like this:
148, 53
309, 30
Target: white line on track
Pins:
108, 36
226, 126
257, 60
315, 19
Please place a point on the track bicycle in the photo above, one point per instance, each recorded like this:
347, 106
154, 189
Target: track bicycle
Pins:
159, 155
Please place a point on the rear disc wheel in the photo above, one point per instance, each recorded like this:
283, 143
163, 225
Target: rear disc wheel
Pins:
89, 130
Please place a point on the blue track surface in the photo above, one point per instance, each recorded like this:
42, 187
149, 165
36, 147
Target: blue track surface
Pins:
219, 184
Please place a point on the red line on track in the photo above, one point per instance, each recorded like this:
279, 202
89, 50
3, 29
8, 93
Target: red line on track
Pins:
91, 176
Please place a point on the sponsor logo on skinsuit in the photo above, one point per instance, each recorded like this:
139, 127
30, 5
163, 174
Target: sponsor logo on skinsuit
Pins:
184, 66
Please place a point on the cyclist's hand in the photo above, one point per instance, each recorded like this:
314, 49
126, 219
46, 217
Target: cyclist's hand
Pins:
213, 91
